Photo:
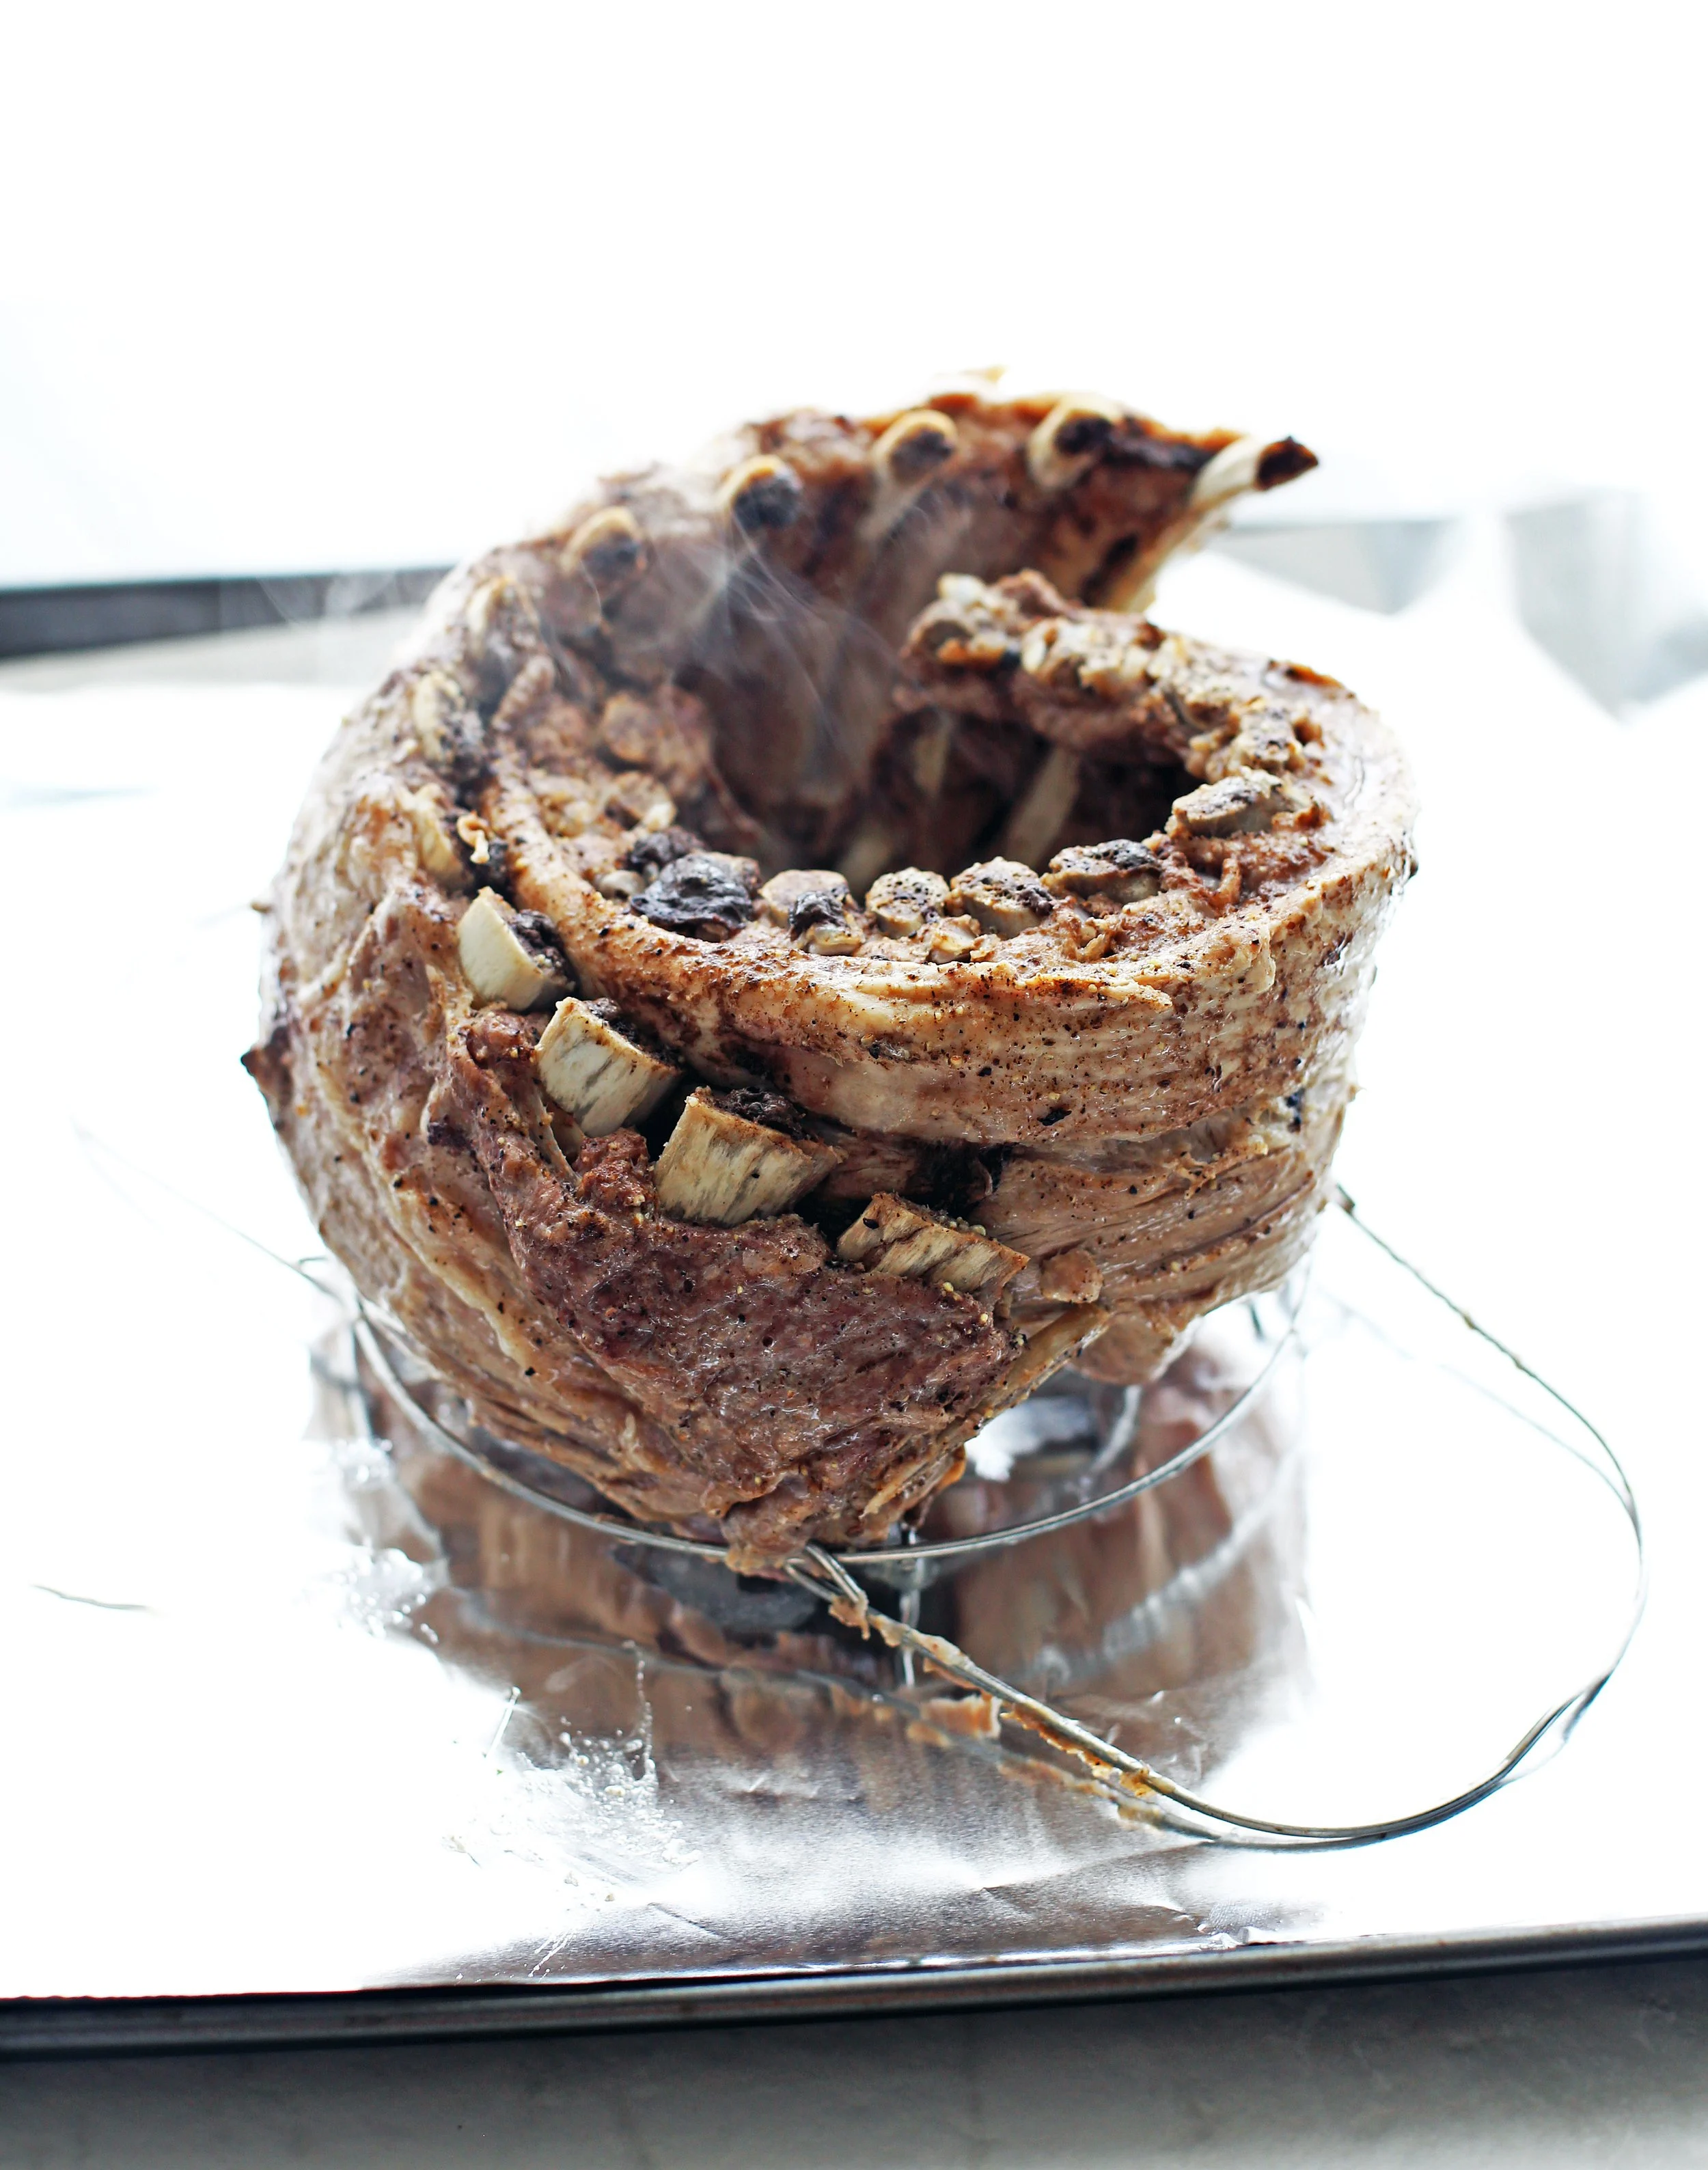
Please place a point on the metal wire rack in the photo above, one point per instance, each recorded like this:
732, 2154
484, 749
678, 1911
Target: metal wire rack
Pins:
831, 1577
904, 1565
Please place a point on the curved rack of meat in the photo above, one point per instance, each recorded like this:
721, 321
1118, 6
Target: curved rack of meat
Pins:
792, 958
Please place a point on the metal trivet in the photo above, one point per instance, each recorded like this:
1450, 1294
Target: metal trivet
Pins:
904, 1566
829, 1576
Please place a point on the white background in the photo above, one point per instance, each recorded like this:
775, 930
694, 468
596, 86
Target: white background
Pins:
333, 285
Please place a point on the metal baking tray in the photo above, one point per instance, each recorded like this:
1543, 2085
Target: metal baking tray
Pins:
317, 1737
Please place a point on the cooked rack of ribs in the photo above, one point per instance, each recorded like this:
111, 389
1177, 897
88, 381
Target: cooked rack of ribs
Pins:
792, 957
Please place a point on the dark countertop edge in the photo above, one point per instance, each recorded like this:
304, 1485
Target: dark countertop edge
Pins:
45, 2026
57, 621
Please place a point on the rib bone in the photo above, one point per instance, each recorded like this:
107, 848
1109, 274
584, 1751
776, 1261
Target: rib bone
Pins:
910, 1243
901, 902
1043, 809
781, 895
439, 709
1057, 1341
1247, 800
823, 919
1068, 440
500, 969
1120, 870
426, 810
1004, 897
763, 492
913, 446
610, 548
1230, 473
719, 1167
595, 1073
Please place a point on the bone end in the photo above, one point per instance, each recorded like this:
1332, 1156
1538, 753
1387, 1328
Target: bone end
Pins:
909, 1243
1066, 442
762, 492
609, 549
722, 1169
914, 447
500, 966
595, 1073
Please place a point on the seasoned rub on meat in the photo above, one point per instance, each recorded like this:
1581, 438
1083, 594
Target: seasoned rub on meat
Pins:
790, 958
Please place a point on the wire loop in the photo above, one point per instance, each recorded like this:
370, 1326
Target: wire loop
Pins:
829, 1576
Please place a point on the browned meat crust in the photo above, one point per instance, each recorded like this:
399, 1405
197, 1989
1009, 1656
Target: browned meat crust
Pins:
1100, 1033
786, 1382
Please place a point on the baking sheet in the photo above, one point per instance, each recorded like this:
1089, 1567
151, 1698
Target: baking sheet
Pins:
270, 1742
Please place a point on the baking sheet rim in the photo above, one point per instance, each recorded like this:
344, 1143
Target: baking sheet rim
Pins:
49, 2027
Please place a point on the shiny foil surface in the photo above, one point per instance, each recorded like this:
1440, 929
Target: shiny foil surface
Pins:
298, 1702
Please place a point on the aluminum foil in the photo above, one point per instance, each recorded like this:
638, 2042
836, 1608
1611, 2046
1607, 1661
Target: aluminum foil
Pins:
297, 1703
1597, 582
